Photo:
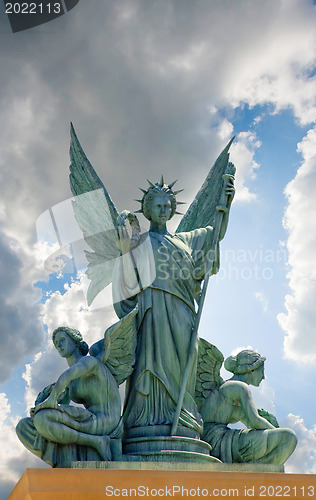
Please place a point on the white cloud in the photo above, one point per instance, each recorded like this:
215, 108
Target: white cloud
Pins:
260, 296
274, 62
300, 318
303, 460
242, 155
238, 349
264, 397
70, 309
13, 456
257, 119
225, 130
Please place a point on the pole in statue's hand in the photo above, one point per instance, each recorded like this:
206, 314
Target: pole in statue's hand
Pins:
221, 209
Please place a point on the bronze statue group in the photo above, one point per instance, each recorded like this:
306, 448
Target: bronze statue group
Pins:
173, 383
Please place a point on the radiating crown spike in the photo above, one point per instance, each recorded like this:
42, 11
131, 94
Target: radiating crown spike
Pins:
143, 190
138, 211
140, 201
178, 202
150, 183
179, 191
161, 181
172, 184
178, 213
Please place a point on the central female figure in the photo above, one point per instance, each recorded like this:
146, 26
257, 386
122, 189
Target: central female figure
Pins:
162, 275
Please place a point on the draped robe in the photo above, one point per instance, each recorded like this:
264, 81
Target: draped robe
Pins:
168, 270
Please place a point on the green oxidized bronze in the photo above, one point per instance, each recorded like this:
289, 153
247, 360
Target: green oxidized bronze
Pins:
227, 402
173, 383
61, 433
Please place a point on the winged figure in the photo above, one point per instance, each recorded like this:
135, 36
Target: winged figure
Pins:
117, 350
160, 273
99, 219
227, 402
208, 379
93, 430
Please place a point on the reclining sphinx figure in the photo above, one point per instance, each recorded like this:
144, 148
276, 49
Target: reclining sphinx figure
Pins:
227, 402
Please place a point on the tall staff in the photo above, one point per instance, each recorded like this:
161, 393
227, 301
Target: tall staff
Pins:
221, 208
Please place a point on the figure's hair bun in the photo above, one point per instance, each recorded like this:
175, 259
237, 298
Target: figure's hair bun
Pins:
230, 364
245, 361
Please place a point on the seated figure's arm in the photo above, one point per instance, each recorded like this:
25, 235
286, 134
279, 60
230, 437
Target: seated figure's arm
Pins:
44, 394
268, 416
240, 392
251, 414
84, 366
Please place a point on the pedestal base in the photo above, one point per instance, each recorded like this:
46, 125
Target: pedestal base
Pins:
154, 443
132, 480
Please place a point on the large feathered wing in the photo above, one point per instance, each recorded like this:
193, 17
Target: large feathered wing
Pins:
202, 211
117, 349
210, 360
96, 215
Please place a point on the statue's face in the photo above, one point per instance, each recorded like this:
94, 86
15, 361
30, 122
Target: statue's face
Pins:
258, 376
64, 344
161, 209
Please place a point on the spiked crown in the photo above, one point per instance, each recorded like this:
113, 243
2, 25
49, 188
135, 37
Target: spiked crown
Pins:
158, 189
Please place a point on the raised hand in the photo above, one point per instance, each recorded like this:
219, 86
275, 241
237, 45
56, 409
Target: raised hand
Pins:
268, 416
230, 187
50, 402
125, 242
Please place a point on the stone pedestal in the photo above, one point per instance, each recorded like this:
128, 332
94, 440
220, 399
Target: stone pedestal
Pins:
144, 479
154, 443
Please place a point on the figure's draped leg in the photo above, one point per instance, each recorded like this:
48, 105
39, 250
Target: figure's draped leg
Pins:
27, 434
163, 343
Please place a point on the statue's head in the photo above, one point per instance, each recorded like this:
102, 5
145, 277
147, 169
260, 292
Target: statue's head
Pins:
247, 362
74, 335
159, 193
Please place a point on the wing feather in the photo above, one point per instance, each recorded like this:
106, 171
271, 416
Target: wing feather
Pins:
117, 350
210, 360
96, 215
202, 211
83, 177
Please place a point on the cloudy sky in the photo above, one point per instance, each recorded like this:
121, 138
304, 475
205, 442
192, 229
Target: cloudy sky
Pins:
159, 87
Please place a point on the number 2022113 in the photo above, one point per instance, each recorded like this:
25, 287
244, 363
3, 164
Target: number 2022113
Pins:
287, 491
32, 8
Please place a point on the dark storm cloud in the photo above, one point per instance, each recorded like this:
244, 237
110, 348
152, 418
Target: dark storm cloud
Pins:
138, 108
21, 332
137, 78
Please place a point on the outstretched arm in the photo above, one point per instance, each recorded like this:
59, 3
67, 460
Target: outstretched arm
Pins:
124, 244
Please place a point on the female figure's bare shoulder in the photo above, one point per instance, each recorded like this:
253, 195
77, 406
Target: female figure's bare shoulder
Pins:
234, 389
